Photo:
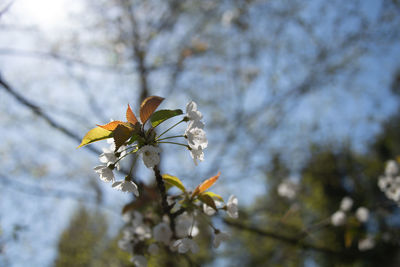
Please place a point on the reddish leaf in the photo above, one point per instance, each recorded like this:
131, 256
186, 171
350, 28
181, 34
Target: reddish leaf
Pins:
130, 116
121, 134
111, 125
148, 106
205, 185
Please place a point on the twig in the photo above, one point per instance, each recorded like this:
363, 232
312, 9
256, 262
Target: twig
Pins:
166, 208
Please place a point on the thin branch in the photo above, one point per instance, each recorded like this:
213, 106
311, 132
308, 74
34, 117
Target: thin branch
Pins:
283, 238
66, 60
41, 113
6, 8
42, 192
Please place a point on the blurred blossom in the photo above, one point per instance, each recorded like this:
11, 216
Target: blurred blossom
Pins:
153, 249
346, 204
220, 237
338, 218
139, 260
287, 189
392, 168
186, 244
362, 214
162, 233
366, 244
389, 183
232, 207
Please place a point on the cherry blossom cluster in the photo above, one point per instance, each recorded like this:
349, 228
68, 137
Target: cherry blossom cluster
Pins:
389, 182
149, 149
174, 230
361, 214
144, 235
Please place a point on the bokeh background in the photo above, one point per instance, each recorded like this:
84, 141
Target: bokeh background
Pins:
300, 90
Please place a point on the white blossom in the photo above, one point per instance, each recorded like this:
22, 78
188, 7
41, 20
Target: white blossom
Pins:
208, 210
346, 204
362, 214
392, 168
139, 260
366, 244
109, 156
150, 155
287, 189
126, 186
106, 174
390, 183
153, 249
197, 154
338, 218
220, 237
162, 233
185, 226
186, 244
232, 207
125, 244
196, 135
192, 113
142, 232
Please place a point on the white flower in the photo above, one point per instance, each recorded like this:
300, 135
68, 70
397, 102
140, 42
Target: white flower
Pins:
106, 174
197, 154
143, 232
220, 237
109, 156
366, 244
346, 204
153, 249
232, 207
185, 225
139, 261
126, 186
162, 233
186, 244
150, 155
338, 218
196, 135
362, 214
208, 210
192, 113
384, 182
392, 168
125, 244
287, 189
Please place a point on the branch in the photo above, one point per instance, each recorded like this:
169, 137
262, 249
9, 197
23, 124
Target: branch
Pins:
41, 192
166, 208
286, 239
38, 111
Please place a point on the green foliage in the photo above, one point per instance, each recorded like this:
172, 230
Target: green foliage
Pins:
331, 173
85, 243
160, 116
173, 181
96, 134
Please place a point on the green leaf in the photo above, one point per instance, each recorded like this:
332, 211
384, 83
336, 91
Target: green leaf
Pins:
163, 115
206, 199
173, 181
214, 196
96, 134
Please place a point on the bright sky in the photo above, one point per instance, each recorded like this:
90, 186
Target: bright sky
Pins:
47, 14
